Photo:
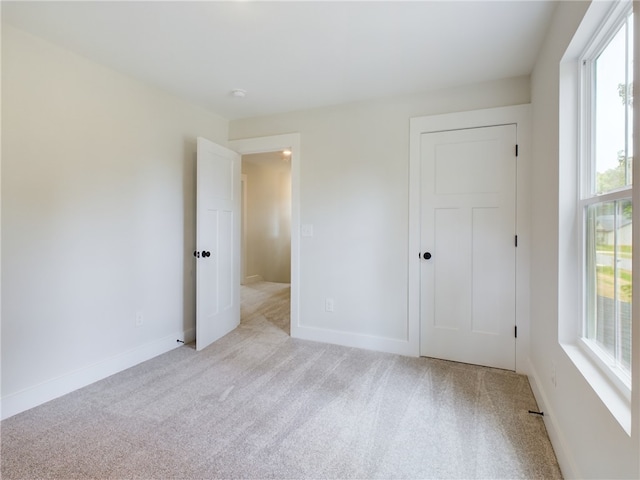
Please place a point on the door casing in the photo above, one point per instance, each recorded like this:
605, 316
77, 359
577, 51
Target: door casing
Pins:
521, 116
271, 144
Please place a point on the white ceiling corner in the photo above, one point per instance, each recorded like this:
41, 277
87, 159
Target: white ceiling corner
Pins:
295, 55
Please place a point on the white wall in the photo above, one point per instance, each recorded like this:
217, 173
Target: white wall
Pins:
268, 223
354, 192
588, 440
98, 219
98, 223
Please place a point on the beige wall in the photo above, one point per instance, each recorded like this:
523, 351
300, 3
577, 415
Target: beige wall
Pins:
98, 218
268, 221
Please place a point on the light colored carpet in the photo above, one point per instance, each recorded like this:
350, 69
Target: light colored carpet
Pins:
258, 404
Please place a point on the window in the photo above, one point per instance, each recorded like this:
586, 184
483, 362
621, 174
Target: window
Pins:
606, 196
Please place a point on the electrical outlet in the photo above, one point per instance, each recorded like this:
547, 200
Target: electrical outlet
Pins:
306, 230
328, 304
139, 319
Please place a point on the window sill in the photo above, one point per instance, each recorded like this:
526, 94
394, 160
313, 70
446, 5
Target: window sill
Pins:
607, 367
616, 401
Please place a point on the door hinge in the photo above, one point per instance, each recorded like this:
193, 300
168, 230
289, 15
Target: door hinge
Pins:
515, 331
516, 149
516, 241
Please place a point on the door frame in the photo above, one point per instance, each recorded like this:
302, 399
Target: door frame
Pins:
270, 144
243, 225
520, 115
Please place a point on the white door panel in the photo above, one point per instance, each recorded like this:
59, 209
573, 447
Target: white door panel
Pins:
217, 238
468, 210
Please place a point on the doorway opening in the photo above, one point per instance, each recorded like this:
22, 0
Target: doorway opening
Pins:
278, 143
266, 218
266, 237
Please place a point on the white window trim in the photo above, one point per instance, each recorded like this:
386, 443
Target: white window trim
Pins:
615, 375
616, 19
613, 390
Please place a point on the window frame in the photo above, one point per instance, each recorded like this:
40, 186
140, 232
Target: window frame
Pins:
587, 195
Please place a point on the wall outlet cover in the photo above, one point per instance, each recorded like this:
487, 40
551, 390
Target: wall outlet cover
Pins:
306, 230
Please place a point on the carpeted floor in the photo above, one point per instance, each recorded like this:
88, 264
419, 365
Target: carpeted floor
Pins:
258, 404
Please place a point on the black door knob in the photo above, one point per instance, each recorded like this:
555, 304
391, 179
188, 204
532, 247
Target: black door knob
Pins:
426, 255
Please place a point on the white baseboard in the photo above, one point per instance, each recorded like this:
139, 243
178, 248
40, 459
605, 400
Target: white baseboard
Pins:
347, 339
56, 387
567, 465
189, 335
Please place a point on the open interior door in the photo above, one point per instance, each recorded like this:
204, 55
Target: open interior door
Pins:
217, 242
